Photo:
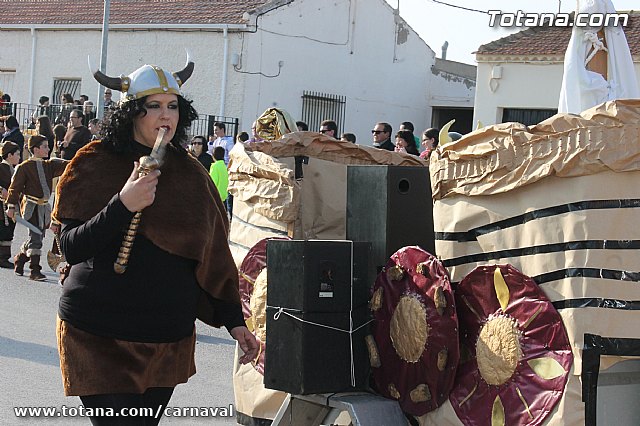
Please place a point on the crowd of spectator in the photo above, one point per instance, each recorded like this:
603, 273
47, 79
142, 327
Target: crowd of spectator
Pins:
72, 124
405, 140
67, 127
78, 117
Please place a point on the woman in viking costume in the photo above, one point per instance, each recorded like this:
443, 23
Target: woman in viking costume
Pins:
138, 281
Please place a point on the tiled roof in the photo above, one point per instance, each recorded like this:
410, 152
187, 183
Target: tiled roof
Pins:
126, 11
551, 41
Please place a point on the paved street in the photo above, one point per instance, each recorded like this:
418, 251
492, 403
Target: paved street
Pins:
29, 364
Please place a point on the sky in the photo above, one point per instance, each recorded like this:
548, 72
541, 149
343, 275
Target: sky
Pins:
467, 30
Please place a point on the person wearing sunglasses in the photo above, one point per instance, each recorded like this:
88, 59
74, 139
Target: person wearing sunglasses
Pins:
329, 128
108, 99
382, 136
196, 148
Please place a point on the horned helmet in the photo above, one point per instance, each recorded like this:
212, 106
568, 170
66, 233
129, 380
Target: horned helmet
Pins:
147, 80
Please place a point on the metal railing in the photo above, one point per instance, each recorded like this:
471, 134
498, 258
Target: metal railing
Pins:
203, 126
317, 107
59, 114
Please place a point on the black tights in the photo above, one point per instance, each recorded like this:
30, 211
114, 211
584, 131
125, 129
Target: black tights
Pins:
151, 399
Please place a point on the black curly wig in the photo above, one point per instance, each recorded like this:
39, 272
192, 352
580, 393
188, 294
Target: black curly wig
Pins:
118, 124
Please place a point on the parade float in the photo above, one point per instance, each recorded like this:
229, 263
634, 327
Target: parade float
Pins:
531, 298
555, 201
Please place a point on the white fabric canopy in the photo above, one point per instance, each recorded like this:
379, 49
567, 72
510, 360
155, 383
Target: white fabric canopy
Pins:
583, 89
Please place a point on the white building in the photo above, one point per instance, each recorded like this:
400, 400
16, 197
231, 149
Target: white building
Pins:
519, 76
452, 93
357, 51
355, 61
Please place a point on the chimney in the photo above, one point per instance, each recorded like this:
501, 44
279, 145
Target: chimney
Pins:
444, 49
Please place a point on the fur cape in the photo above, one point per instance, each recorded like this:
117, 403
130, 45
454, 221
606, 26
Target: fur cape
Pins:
187, 217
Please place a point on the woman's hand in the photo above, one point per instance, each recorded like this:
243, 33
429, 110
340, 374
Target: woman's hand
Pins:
138, 193
247, 342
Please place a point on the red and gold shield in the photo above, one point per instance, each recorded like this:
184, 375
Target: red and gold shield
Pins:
515, 354
253, 295
415, 354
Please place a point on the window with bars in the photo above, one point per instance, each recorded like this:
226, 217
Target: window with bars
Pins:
65, 85
317, 107
528, 117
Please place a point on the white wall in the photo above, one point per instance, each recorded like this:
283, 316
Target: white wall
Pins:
354, 53
343, 47
523, 85
450, 89
63, 54
16, 54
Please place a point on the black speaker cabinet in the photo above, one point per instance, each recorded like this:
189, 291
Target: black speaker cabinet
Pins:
390, 206
317, 275
303, 358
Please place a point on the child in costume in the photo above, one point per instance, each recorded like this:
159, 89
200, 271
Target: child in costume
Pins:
33, 181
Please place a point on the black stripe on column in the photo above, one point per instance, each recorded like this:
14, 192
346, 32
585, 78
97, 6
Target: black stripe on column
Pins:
626, 305
609, 274
472, 234
545, 248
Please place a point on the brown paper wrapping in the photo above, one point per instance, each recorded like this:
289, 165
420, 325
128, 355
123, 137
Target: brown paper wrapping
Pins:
507, 170
507, 156
317, 145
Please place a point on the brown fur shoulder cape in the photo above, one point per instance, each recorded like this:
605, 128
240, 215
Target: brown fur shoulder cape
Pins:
187, 217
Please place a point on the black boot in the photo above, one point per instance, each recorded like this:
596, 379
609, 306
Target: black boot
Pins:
18, 263
5, 255
35, 267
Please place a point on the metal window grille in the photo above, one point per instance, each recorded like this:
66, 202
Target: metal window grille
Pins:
528, 117
62, 86
203, 126
317, 107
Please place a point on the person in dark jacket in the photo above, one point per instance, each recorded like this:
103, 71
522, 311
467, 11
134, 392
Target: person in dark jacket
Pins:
196, 148
76, 137
382, 136
13, 133
10, 159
